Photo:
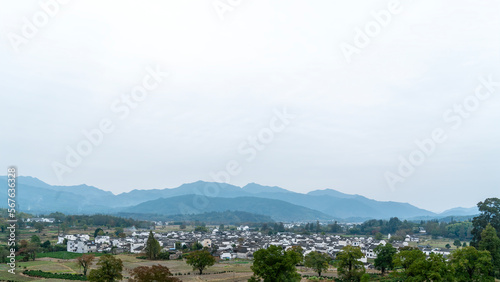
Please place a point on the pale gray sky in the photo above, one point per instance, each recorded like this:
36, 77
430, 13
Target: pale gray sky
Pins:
230, 70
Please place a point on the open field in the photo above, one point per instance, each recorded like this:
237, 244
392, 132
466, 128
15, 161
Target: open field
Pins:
235, 270
63, 255
435, 243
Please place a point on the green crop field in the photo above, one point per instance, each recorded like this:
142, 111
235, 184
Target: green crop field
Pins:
63, 255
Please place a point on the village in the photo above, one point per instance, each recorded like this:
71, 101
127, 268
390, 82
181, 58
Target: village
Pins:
236, 244
49, 246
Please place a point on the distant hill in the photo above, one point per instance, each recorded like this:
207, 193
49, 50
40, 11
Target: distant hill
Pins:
193, 204
254, 188
37, 196
211, 189
341, 206
226, 217
460, 211
332, 193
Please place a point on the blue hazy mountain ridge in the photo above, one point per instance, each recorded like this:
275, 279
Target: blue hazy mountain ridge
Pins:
194, 204
255, 188
45, 200
460, 211
38, 196
209, 189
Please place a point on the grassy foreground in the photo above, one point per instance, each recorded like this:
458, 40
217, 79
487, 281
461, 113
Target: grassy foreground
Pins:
235, 270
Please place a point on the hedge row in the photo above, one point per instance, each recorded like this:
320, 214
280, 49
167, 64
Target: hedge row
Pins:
43, 274
204, 273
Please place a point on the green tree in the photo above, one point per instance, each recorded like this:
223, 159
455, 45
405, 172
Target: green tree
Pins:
448, 246
85, 261
406, 258
158, 273
348, 265
64, 227
35, 240
39, 227
32, 249
45, 244
491, 243
434, 268
469, 264
153, 247
200, 260
275, 264
385, 256
4, 252
299, 250
317, 261
110, 269
118, 231
457, 243
164, 255
379, 236
201, 229
490, 213
196, 246
98, 232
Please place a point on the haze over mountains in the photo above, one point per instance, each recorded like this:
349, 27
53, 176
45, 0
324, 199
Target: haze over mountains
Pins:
280, 204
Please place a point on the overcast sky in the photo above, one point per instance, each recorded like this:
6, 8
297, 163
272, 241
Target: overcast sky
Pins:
232, 66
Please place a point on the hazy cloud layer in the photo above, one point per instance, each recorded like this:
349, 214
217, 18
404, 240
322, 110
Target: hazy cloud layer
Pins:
228, 77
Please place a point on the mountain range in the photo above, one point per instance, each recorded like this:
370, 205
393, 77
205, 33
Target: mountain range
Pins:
36, 196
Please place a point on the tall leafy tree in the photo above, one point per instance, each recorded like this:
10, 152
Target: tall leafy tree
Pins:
434, 268
491, 243
118, 231
157, 273
196, 246
490, 213
39, 227
406, 258
348, 265
200, 260
45, 244
97, 232
275, 264
32, 249
110, 269
35, 240
85, 261
469, 264
299, 251
153, 247
317, 261
385, 256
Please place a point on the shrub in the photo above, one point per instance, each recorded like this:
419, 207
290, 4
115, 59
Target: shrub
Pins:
43, 274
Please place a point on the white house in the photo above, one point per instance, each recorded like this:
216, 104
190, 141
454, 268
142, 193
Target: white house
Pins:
71, 237
41, 219
243, 228
79, 246
102, 239
225, 256
136, 248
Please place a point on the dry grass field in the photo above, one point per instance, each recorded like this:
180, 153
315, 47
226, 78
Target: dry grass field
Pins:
235, 270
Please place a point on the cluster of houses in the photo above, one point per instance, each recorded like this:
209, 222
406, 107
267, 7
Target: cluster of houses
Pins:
232, 244
41, 219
